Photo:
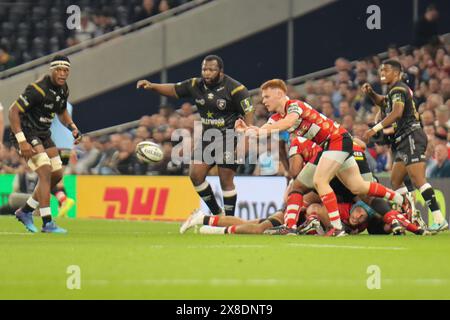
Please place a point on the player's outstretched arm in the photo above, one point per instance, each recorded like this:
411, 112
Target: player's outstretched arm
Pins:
165, 89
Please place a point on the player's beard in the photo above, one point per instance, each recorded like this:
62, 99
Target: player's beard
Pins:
213, 82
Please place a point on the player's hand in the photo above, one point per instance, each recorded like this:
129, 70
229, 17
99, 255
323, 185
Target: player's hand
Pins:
240, 125
144, 84
369, 134
367, 88
77, 136
26, 150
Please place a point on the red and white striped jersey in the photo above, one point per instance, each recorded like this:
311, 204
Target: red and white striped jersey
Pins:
304, 147
311, 124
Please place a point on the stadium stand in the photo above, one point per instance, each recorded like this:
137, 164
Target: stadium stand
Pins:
43, 31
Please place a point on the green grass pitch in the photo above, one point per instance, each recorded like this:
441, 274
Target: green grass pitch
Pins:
149, 260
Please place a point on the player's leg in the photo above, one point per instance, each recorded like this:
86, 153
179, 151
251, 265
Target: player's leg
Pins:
416, 172
226, 176
198, 173
351, 177
256, 227
199, 218
328, 166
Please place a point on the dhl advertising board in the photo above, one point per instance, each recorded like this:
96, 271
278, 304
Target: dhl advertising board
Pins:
135, 198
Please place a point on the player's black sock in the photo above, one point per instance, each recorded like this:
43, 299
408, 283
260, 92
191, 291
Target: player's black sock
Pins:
229, 201
408, 184
206, 220
46, 219
205, 192
429, 197
27, 208
380, 205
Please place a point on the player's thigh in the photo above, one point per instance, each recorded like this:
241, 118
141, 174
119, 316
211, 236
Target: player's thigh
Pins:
350, 176
198, 172
398, 174
327, 167
416, 172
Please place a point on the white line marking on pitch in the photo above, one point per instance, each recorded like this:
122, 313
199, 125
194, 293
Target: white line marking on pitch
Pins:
306, 245
15, 234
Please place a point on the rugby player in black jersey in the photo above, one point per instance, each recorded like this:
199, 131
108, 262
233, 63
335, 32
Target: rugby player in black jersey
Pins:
31, 116
220, 100
398, 111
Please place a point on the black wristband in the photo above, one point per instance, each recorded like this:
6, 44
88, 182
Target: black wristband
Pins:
71, 126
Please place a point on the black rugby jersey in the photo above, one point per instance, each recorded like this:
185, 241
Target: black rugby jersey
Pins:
409, 120
39, 104
219, 106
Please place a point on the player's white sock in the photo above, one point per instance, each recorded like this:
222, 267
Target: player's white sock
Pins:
402, 190
335, 220
212, 230
32, 203
437, 216
45, 212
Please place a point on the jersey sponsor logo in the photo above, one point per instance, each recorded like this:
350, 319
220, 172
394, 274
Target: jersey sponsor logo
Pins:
200, 101
45, 120
221, 104
58, 98
210, 96
214, 122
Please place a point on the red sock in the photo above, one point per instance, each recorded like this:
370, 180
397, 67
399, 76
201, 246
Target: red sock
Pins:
213, 221
294, 203
61, 196
391, 215
380, 191
231, 230
330, 202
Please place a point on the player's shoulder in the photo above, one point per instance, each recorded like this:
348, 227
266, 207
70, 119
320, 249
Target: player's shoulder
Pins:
399, 87
232, 85
39, 86
275, 117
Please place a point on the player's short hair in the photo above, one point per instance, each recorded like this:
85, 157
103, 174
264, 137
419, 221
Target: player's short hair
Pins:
274, 84
213, 57
394, 64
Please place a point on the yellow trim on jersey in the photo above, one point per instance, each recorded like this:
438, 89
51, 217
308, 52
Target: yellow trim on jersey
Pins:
19, 106
39, 89
236, 90
359, 158
398, 88
193, 82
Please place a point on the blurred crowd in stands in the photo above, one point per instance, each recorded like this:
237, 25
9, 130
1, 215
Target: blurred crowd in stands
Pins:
427, 68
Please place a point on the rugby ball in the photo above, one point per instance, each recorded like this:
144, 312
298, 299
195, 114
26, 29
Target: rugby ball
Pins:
149, 152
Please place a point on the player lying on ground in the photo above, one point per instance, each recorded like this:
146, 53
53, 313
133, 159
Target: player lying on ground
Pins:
301, 119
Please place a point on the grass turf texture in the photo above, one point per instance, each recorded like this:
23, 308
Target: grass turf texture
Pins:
148, 260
